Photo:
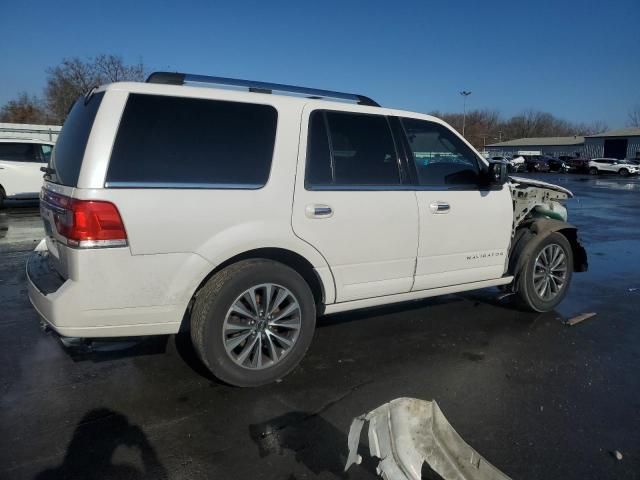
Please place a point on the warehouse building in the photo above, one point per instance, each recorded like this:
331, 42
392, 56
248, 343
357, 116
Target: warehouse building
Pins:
624, 143
552, 146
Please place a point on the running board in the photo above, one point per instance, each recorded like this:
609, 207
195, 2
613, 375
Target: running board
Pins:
404, 297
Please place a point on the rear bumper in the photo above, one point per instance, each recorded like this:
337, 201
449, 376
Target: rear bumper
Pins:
77, 309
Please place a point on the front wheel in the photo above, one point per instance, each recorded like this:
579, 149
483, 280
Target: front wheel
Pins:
624, 172
543, 282
593, 171
253, 322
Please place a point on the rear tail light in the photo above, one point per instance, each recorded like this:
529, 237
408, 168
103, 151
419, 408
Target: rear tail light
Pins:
86, 223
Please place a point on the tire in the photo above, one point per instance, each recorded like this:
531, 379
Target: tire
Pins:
623, 172
528, 288
214, 323
2, 197
593, 171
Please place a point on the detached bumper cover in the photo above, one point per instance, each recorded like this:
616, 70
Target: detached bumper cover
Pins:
407, 432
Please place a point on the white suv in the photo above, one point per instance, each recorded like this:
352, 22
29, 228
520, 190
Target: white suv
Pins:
612, 165
20, 163
243, 215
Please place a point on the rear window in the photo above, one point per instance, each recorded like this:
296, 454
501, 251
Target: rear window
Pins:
67, 155
192, 143
18, 152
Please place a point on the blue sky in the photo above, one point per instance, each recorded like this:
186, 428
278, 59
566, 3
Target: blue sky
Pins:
579, 60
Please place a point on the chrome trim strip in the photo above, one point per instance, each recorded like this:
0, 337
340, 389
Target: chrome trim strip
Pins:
428, 188
185, 185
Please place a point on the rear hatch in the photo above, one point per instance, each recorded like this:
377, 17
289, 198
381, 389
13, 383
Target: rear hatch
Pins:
70, 223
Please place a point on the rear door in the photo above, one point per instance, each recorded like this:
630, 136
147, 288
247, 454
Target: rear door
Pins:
20, 173
465, 227
350, 203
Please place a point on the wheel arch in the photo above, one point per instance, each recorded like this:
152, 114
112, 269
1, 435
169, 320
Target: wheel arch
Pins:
287, 257
531, 233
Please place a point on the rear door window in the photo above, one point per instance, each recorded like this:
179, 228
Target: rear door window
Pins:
350, 149
18, 152
67, 156
440, 157
176, 142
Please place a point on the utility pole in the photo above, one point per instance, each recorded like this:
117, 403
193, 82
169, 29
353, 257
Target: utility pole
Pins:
464, 94
500, 136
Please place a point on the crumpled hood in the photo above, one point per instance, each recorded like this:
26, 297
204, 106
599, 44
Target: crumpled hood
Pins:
538, 183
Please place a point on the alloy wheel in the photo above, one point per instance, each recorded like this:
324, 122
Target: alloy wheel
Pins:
262, 326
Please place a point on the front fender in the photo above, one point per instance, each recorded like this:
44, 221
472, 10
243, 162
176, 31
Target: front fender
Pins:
532, 232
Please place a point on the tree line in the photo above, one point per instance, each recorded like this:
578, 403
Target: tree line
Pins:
64, 84
484, 127
75, 76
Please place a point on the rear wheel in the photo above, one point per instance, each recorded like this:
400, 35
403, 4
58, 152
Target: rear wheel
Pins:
593, 171
2, 197
546, 274
624, 172
253, 322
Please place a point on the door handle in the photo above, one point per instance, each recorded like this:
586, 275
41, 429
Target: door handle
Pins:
439, 207
318, 211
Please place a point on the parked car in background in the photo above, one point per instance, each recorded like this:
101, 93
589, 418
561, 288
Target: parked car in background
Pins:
613, 165
20, 163
514, 164
536, 163
576, 164
557, 165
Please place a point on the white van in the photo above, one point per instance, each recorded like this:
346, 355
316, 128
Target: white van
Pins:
243, 215
20, 162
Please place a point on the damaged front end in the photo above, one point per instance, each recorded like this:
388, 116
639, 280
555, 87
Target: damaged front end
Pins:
538, 210
535, 199
407, 432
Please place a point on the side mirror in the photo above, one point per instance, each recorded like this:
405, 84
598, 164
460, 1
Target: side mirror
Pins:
497, 174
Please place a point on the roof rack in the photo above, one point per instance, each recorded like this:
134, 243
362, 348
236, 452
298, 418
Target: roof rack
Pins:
175, 78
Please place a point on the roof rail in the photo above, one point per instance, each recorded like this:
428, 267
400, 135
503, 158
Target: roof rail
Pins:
175, 78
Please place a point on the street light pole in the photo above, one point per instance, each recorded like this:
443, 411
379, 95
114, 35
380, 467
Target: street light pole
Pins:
464, 94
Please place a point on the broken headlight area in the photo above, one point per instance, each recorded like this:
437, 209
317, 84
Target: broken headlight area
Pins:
537, 199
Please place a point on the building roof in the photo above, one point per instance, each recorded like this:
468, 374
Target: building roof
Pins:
540, 141
623, 132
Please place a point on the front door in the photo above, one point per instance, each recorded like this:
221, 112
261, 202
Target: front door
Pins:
465, 228
351, 205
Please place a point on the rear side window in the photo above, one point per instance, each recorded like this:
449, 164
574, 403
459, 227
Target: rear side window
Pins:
440, 156
186, 142
18, 152
350, 149
66, 158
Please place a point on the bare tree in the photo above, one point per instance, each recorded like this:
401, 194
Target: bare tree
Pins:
634, 117
24, 109
484, 127
75, 77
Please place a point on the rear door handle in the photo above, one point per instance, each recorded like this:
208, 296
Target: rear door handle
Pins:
318, 211
439, 207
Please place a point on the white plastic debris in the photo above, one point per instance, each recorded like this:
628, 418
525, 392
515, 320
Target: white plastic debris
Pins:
407, 432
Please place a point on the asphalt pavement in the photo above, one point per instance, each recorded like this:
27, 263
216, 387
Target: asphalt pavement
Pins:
537, 398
